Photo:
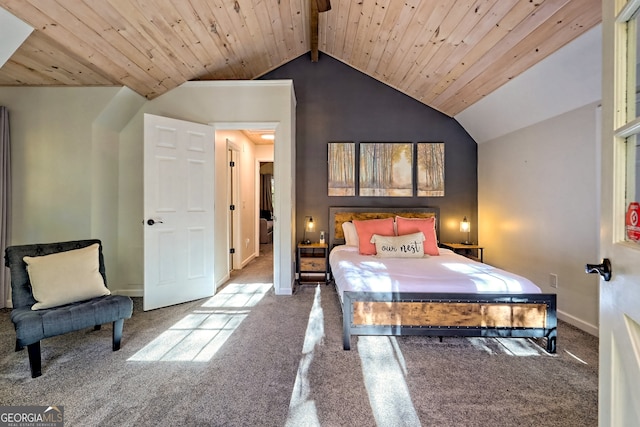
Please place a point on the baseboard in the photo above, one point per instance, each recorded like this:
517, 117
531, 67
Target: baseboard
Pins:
248, 260
578, 323
130, 292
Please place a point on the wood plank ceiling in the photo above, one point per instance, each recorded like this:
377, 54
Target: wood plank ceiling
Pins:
447, 54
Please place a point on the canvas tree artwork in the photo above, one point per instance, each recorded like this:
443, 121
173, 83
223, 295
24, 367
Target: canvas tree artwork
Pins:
342, 175
386, 169
430, 169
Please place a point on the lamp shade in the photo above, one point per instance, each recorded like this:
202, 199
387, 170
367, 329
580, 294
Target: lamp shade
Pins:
465, 225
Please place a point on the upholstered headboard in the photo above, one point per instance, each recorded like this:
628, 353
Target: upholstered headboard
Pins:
338, 215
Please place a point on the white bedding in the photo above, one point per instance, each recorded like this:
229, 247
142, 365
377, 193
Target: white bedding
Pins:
448, 272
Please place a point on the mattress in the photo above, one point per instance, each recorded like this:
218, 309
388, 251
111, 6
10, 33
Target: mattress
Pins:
448, 272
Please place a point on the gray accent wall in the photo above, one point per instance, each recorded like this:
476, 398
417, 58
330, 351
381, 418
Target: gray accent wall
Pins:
338, 103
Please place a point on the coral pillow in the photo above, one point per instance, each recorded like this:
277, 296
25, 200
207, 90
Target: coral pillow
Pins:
367, 228
407, 246
65, 277
426, 225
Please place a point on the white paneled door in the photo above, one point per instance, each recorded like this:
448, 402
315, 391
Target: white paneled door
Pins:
619, 374
178, 211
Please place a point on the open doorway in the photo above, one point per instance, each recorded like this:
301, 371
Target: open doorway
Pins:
245, 152
266, 190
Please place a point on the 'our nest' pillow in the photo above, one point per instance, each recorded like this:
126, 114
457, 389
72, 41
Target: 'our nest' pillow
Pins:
65, 277
407, 246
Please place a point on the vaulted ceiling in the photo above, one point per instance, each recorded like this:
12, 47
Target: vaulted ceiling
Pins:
447, 54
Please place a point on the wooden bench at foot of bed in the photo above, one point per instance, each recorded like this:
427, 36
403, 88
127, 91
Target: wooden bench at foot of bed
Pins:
450, 314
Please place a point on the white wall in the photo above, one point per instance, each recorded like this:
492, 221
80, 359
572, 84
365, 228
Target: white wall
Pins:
64, 173
538, 208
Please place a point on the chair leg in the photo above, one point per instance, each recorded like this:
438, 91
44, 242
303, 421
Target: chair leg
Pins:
117, 333
34, 359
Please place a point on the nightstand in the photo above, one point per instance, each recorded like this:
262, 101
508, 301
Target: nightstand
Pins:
466, 250
312, 263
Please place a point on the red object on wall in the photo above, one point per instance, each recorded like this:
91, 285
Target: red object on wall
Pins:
632, 222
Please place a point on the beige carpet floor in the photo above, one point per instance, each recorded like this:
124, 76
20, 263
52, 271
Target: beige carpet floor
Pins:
247, 357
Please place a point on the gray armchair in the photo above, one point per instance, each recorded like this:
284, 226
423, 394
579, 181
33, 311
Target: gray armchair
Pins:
34, 325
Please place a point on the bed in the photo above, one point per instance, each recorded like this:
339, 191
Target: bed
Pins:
444, 295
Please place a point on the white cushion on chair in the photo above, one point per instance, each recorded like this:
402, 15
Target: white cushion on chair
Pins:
65, 277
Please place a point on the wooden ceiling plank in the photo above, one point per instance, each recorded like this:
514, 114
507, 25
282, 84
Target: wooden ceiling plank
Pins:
77, 43
300, 26
418, 41
214, 19
518, 23
151, 17
126, 20
15, 72
478, 32
570, 21
361, 46
180, 17
393, 11
268, 34
295, 26
396, 36
353, 20
328, 24
370, 38
80, 19
341, 27
451, 45
288, 33
39, 50
273, 12
111, 26
241, 38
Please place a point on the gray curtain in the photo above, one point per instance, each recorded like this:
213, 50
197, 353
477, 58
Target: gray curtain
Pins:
266, 204
5, 202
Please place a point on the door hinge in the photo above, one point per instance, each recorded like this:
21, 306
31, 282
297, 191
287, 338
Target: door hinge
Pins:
232, 164
232, 250
232, 207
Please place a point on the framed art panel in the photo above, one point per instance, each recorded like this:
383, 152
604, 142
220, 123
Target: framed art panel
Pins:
342, 164
430, 169
386, 169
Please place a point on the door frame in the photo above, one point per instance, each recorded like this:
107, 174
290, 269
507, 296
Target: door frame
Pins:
235, 197
278, 205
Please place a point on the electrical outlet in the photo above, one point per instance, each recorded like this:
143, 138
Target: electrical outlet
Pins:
553, 280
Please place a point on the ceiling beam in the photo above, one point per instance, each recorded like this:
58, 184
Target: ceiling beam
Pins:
316, 7
313, 16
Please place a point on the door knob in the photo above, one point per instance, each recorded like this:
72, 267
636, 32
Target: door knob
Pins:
151, 221
603, 269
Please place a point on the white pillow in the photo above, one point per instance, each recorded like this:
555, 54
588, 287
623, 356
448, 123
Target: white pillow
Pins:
405, 246
350, 234
65, 277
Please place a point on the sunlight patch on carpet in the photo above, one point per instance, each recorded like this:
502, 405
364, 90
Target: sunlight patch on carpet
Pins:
384, 377
199, 335
302, 410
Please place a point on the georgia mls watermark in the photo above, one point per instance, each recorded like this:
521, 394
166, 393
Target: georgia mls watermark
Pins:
31, 416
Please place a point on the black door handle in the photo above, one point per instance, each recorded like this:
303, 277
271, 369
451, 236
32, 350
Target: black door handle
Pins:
603, 269
150, 221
